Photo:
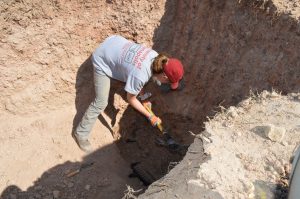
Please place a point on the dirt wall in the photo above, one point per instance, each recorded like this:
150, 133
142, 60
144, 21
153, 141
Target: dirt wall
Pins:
43, 44
229, 48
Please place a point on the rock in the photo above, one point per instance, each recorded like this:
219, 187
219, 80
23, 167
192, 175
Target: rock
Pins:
240, 195
295, 96
287, 168
284, 143
203, 138
281, 170
274, 94
245, 103
273, 177
238, 133
232, 112
56, 194
269, 168
250, 188
87, 187
70, 184
251, 195
274, 133
264, 94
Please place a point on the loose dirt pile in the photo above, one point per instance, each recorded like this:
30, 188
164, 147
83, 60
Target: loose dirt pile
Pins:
227, 47
244, 162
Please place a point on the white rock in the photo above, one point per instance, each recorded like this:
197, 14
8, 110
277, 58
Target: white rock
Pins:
250, 188
274, 94
232, 112
264, 94
269, 168
195, 186
245, 103
238, 133
281, 170
274, 133
251, 195
202, 137
284, 143
273, 177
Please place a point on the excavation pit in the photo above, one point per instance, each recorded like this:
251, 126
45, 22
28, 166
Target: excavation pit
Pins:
138, 143
231, 51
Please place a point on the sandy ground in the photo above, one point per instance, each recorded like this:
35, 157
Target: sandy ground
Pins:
37, 154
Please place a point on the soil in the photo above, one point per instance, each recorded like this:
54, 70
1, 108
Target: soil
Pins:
138, 142
229, 49
242, 161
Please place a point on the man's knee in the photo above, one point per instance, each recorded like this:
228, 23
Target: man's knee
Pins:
100, 104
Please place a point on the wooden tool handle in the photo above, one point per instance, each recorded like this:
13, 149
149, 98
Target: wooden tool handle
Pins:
159, 126
73, 173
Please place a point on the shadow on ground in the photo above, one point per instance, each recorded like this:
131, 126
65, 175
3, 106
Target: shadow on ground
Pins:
102, 174
101, 178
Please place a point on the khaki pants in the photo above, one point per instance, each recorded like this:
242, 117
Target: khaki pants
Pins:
102, 87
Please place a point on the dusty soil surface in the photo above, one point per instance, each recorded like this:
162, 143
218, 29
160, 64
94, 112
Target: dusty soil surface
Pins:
243, 161
227, 47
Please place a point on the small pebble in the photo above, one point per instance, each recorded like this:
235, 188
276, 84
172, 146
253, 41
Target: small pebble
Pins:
284, 143
87, 187
251, 195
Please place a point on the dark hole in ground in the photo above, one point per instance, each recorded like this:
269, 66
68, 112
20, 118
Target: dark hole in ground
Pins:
137, 143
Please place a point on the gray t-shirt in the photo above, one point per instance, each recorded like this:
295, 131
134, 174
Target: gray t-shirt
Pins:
125, 61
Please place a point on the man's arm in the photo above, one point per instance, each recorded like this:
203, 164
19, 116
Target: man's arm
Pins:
133, 101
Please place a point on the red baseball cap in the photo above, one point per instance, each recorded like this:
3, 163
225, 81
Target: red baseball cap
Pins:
174, 71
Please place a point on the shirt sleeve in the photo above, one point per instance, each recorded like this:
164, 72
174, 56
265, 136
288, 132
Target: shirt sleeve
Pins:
134, 85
